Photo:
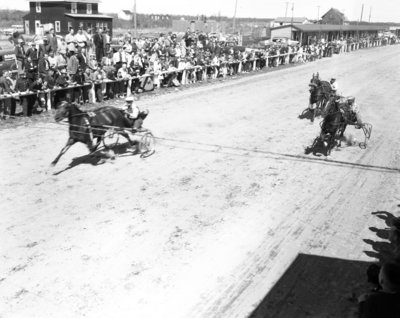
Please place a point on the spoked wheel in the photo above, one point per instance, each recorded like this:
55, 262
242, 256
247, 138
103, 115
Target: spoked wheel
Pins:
367, 129
110, 138
146, 145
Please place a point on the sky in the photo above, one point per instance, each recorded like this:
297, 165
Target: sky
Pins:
382, 10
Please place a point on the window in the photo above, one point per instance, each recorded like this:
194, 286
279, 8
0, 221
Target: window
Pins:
57, 26
69, 26
89, 8
38, 7
74, 7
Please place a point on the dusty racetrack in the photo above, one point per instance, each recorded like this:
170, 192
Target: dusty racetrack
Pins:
197, 230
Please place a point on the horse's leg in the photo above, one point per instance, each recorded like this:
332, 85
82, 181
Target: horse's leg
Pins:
70, 142
126, 135
342, 129
93, 147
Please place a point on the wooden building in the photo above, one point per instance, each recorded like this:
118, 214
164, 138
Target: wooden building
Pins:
308, 33
334, 16
64, 15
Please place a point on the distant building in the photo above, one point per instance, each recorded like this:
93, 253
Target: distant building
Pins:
199, 25
334, 16
312, 33
125, 15
64, 15
289, 20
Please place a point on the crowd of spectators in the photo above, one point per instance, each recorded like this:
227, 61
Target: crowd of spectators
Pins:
86, 67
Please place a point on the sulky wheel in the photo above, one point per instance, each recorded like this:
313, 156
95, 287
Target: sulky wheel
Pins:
110, 138
146, 145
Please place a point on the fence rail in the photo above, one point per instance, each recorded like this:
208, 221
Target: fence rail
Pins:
279, 59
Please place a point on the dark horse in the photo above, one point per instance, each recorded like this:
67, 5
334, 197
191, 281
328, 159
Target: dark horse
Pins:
332, 129
89, 128
320, 93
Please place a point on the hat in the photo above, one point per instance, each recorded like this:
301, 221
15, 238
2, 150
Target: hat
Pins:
351, 99
333, 79
129, 99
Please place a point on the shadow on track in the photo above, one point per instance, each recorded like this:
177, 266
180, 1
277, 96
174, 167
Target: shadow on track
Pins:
248, 152
100, 157
315, 286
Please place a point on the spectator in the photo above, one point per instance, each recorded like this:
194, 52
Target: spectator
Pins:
73, 64
22, 86
44, 48
81, 40
62, 48
52, 40
6, 88
43, 66
53, 61
33, 53
70, 40
99, 45
81, 58
20, 56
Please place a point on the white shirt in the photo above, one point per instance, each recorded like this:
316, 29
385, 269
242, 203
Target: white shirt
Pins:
334, 86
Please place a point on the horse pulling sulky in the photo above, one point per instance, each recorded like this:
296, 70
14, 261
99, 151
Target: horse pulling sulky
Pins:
103, 125
320, 96
333, 127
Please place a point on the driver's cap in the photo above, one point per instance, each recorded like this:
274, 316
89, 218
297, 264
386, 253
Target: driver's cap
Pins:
129, 99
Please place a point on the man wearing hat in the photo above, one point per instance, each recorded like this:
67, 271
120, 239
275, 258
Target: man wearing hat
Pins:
134, 116
44, 47
22, 86
72, 64
33, 53
52, 39
334, 85
20, 55
70, 40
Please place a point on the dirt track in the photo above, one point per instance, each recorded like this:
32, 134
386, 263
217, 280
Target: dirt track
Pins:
197, 230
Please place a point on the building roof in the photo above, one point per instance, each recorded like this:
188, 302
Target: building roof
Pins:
290, 19
337, 12
81, 1
332, 27
77, 15
127, 12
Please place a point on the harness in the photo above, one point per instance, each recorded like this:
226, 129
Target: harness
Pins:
87, 124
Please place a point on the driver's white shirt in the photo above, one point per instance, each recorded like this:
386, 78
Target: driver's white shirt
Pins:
132, 113
355, 108
334, 86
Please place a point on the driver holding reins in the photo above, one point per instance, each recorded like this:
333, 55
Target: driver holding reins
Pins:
352, 110
133, 114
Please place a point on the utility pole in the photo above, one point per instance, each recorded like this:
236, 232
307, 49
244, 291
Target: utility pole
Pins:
135, 18
234, 16
370, 9
292, 12
362, 11
287, 3
318, 14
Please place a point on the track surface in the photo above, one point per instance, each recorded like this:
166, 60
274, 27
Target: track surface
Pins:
197, 230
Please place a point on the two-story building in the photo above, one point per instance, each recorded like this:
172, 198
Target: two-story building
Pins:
64, 15
334, 16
